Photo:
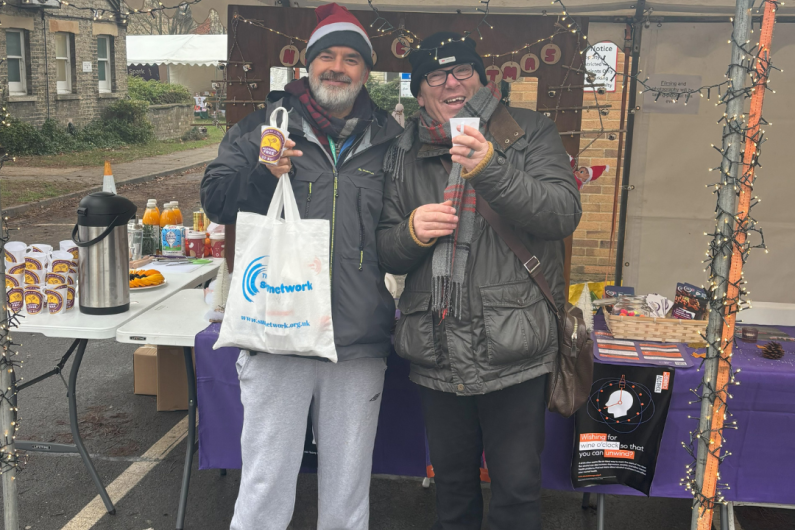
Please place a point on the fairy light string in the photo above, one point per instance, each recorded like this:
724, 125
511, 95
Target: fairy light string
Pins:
730, 241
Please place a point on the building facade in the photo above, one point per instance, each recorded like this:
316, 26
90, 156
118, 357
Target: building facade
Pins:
62, 62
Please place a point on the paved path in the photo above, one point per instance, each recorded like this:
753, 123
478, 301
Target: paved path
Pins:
92, 176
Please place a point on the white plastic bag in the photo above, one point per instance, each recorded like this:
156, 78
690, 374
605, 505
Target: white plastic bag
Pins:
280, 296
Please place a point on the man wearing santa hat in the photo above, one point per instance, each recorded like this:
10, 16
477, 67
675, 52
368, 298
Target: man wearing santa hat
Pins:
338, 140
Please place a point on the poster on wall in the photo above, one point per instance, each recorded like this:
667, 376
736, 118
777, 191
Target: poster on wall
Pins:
601, 59
672, 94
618, 431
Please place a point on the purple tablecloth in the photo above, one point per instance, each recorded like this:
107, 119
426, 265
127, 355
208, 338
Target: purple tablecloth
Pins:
761, 468
399, 443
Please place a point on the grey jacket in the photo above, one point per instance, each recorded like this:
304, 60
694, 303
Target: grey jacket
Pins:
350, 197
507, 333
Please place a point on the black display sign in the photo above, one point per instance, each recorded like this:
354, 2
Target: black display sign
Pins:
618, 431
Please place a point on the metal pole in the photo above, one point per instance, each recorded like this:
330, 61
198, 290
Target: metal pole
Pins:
637, 31
727, 199
7, 416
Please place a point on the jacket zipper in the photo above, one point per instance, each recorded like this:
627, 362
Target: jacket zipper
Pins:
308, 198
361, 228
333, 225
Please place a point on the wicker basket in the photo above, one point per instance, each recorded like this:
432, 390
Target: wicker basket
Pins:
656, 329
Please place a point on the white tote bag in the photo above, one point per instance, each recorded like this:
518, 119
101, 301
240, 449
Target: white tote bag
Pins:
280, 296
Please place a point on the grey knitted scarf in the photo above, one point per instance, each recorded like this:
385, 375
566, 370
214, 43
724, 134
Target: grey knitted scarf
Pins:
451, 252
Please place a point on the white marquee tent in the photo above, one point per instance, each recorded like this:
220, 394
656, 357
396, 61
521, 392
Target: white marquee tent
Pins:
189, 60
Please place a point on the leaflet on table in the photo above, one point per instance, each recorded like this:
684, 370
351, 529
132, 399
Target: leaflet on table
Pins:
608, 349
618, 431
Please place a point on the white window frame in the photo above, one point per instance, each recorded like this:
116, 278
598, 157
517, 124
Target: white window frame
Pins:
106, 85
18, 88
64, 87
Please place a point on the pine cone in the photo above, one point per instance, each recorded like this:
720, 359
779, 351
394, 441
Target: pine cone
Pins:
773, 350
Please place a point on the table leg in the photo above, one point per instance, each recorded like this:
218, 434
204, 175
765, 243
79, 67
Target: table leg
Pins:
586, 501
600, 511
724, 516
190, 448
81, 348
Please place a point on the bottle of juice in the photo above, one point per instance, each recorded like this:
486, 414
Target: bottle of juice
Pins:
166, 217
151, 223
176, 213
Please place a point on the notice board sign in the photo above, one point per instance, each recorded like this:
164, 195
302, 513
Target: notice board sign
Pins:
601, 59
618, 431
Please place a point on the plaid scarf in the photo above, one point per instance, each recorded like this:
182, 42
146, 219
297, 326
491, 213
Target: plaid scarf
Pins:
326, 125
451, 252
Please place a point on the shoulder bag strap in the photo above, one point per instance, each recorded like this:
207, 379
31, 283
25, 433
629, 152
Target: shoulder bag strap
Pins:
528, 259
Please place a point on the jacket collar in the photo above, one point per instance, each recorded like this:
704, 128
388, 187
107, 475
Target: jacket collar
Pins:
502, 128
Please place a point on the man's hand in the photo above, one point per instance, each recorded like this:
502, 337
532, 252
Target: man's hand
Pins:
434, 220
284, 165
469, 149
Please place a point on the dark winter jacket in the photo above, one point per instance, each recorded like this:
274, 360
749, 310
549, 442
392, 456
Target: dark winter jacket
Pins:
507, 333
350, 197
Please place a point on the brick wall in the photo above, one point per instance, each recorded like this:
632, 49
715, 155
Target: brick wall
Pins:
85, 103
591, 255
170, 121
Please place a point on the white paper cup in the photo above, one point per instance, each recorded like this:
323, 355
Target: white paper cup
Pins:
15, 252
457, 125
40, 247
17, 268
34, 277
35, 300
70, 297
57, 296
62, 262
37, 261
16, 299
71, 278
71, 247
55, 278
15, 280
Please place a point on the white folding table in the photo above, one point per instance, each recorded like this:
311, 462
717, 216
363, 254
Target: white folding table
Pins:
82, 328
174, 322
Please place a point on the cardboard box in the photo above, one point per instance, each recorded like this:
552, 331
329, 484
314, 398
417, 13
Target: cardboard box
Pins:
145, 371
172, 383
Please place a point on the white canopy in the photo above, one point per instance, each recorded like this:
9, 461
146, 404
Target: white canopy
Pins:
192, 50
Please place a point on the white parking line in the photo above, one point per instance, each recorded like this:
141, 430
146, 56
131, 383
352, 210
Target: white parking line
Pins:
95, 510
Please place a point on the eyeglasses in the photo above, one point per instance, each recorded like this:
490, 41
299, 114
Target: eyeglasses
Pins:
460, 72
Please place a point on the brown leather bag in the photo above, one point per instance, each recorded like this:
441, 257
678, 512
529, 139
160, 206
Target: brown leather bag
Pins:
570, 382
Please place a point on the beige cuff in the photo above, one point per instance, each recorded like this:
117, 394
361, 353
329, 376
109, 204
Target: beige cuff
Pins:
414, 236
481, 166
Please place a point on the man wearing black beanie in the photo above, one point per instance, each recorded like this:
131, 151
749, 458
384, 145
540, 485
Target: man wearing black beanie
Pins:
474, 324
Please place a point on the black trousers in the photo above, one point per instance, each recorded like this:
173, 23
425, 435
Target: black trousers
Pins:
509, 425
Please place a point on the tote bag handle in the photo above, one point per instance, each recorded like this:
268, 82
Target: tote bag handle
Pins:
284, 199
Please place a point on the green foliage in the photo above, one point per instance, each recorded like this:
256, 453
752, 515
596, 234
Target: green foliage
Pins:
123, 123
157, 93
385, 95
194, 134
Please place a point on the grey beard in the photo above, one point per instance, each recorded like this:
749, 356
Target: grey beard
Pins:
334, 99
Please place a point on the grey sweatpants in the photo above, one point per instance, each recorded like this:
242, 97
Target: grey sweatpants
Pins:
278, 392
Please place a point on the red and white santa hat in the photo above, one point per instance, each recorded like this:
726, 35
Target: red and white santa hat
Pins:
337, 27
596, 171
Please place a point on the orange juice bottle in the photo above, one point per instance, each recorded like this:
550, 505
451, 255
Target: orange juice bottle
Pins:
176, 213
151, 222
166, 216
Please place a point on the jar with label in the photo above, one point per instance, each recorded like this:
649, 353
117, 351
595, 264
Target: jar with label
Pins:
172, 242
